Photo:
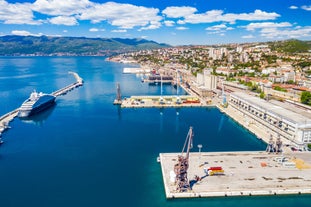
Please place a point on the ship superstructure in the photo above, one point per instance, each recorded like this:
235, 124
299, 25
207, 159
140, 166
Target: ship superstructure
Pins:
35, 103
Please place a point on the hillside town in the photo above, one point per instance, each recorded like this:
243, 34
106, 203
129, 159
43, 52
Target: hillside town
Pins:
252, 66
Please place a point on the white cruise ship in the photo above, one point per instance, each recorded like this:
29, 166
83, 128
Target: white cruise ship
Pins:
35, 103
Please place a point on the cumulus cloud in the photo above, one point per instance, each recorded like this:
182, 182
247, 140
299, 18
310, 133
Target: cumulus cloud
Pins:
61, 7
219, 27
24, 33
124, 16
218, 15
189, 15
307, 8
248, 37
297, 32
119, 30
181, 21
182, 28
64, 20
293, 7
93, 30
264, 25
17, 13
153, 25
169, 23
176, 12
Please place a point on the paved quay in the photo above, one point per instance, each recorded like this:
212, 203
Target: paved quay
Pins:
249, 124
245, 174
167, 102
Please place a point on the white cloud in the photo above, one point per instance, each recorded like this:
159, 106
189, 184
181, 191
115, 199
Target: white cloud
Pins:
181, 22
217, 27
65, 31
61, 7
93, 30
17, 13
307, 8
176, 12
119, 30
169, 23
293, 7
248, 37
263, 25
124, 16
189, 16
182, 28
297, 32
24, 33
256, 15
64, 20
150, 27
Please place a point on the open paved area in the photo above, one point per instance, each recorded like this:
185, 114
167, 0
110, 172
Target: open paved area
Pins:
245, 174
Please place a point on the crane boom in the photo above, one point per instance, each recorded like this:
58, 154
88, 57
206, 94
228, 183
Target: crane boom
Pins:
182, 166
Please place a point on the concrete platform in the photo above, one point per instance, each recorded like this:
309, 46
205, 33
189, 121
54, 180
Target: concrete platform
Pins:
245, 174
162, 102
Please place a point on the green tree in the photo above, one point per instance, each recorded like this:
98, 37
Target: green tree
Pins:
262, 95
305, 97
278, 88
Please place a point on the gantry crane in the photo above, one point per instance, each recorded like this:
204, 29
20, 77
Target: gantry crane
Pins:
180, 169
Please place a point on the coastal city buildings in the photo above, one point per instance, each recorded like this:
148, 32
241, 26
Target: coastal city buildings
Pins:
245, 72
292, 127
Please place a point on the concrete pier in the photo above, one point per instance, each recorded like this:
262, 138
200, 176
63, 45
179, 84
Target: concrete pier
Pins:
8, 117
245, 174
162, 102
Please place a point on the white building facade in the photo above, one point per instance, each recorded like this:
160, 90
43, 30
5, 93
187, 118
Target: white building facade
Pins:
291, 127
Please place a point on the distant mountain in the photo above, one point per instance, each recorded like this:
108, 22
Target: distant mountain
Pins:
13, 45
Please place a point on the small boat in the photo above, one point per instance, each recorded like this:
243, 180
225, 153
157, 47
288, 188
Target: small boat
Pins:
158, 159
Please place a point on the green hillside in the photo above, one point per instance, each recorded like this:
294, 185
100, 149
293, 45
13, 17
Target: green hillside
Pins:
291, 46
45, 45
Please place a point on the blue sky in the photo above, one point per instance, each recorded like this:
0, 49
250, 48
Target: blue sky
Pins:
176, 22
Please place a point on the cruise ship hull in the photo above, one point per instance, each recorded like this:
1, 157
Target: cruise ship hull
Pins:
35, 104
27, 113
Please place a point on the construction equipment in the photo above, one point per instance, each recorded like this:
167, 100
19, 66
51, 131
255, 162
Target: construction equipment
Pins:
180, 169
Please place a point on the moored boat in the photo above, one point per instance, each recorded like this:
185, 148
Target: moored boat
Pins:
35, 103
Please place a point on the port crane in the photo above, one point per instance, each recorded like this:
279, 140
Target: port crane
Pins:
180, 169
118, 99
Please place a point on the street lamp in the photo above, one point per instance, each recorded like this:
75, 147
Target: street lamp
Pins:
200, 147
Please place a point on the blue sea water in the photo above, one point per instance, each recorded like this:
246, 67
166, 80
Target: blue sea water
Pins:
86, 152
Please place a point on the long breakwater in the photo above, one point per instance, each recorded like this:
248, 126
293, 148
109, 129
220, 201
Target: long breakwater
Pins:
8, 117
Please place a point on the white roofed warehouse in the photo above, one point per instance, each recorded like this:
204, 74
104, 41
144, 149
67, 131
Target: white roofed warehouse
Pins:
290, 124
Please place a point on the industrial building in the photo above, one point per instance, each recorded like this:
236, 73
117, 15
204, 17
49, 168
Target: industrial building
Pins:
207, 80
293, 128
